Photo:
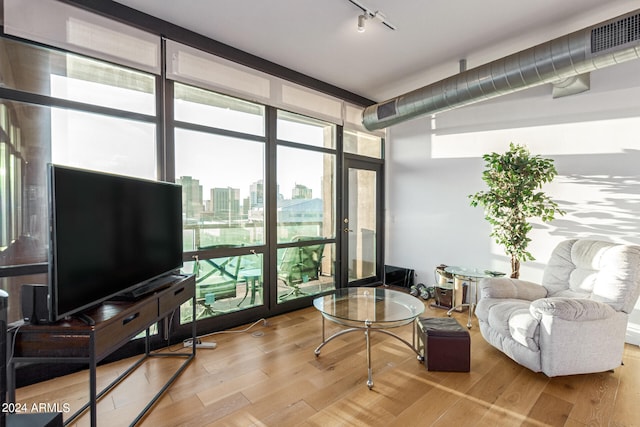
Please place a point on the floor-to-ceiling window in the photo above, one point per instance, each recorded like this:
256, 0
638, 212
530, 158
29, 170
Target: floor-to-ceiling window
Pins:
67, 109
221, 146
220, 162
306, 207
258, 157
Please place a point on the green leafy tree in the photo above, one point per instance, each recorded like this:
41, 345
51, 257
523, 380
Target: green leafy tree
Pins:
514, 180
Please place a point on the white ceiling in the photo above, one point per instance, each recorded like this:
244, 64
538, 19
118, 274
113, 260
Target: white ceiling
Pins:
319, 38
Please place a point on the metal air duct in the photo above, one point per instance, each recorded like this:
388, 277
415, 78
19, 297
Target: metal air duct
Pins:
599, 46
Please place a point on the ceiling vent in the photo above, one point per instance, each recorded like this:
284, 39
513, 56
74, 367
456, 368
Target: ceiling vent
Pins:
616, 33
599, 46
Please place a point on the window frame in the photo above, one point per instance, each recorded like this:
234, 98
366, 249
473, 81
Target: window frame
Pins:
165, 123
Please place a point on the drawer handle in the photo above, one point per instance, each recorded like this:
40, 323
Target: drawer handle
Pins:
179, 291
130, 318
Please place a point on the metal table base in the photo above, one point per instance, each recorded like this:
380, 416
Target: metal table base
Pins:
367, 332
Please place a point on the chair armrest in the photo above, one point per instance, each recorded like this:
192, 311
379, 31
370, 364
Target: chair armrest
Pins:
505, 287
573, 309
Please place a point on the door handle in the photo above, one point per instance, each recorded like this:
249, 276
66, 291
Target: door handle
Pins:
346, 230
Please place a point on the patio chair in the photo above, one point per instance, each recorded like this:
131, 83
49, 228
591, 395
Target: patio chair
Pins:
216, 278
300, 264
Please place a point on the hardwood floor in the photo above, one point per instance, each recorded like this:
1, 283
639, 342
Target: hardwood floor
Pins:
269, 376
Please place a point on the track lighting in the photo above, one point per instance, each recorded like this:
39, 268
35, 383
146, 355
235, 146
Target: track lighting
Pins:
361, 21
367, 13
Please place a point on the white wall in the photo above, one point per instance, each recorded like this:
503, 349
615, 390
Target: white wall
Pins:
433, 164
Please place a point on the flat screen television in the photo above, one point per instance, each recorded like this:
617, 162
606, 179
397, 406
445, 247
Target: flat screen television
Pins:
109, 235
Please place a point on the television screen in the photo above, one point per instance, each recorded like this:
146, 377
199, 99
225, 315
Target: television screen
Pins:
109, 234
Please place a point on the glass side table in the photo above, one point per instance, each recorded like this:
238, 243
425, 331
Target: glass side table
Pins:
472, 276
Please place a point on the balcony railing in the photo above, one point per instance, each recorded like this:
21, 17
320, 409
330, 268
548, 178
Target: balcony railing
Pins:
244, 233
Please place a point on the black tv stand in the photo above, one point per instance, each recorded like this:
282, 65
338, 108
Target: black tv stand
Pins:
72, 340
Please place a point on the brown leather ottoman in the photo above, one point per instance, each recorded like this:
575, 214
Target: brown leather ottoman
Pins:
445, 345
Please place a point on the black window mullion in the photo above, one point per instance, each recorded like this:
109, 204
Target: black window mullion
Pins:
339, 208
307, 147
271, 211
53, 102
164, 111
217, 131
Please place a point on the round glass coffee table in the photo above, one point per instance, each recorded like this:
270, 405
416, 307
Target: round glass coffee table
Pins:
368, 309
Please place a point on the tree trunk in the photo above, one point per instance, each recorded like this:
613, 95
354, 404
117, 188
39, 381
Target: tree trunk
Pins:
515, 268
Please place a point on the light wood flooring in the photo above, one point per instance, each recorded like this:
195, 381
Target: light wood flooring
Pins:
273, 378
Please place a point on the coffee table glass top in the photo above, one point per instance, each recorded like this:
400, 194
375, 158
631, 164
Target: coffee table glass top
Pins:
371, 307
472, 272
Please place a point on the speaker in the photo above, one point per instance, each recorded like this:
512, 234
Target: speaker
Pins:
35, 309
4, 303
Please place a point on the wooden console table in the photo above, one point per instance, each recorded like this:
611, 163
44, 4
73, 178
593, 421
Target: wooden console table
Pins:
115, 324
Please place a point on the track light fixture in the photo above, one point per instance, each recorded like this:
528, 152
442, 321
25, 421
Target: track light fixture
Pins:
368, 14
361, 21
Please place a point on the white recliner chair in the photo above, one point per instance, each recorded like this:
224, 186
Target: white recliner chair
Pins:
575, 321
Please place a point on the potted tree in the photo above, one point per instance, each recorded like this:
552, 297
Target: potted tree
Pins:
513, 198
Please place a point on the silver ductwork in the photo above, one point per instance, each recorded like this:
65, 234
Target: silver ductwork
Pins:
599, 46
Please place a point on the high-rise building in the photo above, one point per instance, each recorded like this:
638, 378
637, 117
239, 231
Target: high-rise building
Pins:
256, 194
225, 203
301, 192
245, 207
192, 206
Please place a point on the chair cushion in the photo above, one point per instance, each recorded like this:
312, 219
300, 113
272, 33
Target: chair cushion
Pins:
558, 270
510, 318
617, 282
506, 287
574, 309
572, 294
587, 256
524, 329
602, 271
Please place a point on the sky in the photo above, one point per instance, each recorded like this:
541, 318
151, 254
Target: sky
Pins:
87, 141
